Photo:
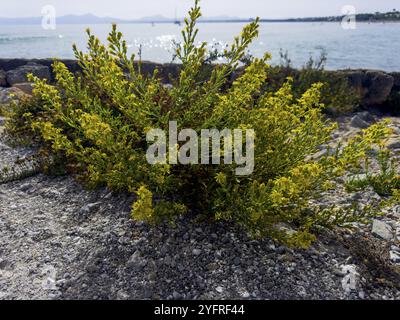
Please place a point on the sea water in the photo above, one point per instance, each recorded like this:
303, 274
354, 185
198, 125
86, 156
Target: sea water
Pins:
372, 46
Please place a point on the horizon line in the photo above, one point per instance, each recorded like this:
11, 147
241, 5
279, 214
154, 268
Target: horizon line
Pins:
158, 18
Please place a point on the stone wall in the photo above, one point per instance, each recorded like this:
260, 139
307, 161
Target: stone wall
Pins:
15, 65
375, 87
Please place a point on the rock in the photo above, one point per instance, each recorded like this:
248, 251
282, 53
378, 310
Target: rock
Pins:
370, 195
9, 94
168, 261
394, 143
25, 87
152, 276
356, 79
219, 289
338, 272
168, 86
379, 87
382, 230
121, 295
19, 75
135, 258
3, 78
396, 77
3, 264
374, 87
3, 295
366, 116
196, 252
357, 122
177, 295
395, 257
396, 211
2, 121
10, 64
89, 208
212, 267
49, 282
137, 261
4, 147
214, 236
25, 187
349, 282
148, 293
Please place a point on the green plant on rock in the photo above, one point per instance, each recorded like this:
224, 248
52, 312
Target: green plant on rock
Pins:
386, 182
336, 94
98, 120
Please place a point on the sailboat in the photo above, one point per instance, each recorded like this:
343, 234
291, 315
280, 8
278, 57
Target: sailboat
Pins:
177, 21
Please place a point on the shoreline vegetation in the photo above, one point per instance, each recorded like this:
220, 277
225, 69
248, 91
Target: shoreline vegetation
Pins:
319, 218
377, 17
95, 122
351, 89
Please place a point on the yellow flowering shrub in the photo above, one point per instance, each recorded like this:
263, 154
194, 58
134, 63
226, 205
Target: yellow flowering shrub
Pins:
98, 119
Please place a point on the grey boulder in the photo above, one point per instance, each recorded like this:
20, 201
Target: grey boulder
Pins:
394, 143
20, 74
25, 87
379, 87
382, 230
374, 87
9, 94
357, 122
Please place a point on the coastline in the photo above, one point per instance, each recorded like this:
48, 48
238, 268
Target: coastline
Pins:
375, 87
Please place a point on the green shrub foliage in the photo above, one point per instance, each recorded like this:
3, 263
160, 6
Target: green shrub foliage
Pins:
337, 95
98, 120
384, 182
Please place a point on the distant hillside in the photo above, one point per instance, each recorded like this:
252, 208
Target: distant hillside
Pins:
87, 18
392, 16
158, 18
92, 19
68, 19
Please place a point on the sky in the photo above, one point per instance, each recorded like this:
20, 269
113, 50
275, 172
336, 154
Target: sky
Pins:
132, 9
